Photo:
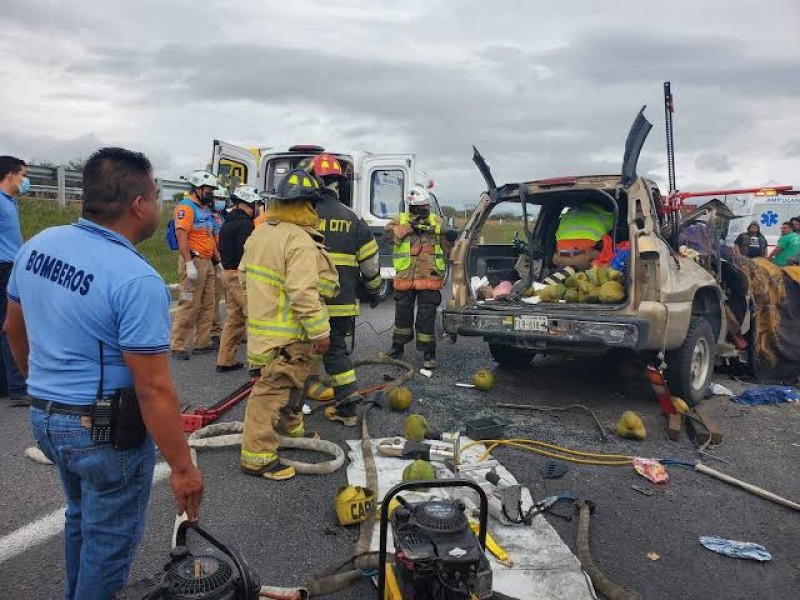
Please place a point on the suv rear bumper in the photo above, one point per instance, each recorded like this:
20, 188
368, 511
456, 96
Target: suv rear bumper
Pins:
566, 331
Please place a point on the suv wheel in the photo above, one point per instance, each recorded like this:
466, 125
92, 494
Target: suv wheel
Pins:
690, 367
511, 358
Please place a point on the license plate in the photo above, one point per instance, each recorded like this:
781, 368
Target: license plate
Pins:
532, 323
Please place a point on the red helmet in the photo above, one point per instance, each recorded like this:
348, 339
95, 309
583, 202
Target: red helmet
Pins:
325, 165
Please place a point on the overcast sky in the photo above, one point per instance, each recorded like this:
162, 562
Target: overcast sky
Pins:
543, 88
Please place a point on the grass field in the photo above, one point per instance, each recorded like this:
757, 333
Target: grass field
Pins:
37, 214
494, 232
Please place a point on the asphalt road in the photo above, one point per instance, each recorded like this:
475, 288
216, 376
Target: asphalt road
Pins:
287, 529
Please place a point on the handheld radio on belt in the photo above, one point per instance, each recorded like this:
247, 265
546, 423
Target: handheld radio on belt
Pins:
102, 410
116, 419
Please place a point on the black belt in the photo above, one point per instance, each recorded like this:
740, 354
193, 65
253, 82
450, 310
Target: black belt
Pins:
60, 407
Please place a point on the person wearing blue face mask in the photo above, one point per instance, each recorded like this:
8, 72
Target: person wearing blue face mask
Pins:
13, 182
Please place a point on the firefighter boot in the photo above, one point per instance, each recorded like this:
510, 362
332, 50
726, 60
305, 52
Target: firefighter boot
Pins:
395, 353
273, 470
344, 411
429, 360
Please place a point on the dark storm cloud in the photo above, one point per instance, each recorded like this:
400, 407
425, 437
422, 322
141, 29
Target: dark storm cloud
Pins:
541, 90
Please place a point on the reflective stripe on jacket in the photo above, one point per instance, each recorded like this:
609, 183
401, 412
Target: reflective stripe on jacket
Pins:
286, 274
418, 258
354, 251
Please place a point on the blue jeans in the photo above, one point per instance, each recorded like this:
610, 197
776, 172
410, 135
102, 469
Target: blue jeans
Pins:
11, 379
107, 492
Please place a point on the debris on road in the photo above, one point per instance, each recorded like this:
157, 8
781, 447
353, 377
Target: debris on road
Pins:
483, 379
643, 490
651, 469
767, 394
582, 407
631, 426
717, 389
736, 549
553, 470
653, 556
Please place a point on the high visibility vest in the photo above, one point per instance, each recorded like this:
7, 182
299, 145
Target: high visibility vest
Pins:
401, 255
585, 222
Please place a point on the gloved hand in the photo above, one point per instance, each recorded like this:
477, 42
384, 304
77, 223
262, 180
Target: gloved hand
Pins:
219, 269
422, 227
374, 300
191, 270
451, 235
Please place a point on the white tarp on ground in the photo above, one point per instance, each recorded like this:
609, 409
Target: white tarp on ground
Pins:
544, 568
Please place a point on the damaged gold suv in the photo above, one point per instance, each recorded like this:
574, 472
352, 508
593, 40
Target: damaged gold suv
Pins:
671, 295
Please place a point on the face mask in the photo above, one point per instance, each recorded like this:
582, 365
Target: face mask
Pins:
418, 210
219, 205
24, 186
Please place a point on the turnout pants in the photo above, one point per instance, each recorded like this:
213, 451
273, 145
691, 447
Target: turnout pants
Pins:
338, 364
235, 318
219, 294
425, 326
276, 404
197, 313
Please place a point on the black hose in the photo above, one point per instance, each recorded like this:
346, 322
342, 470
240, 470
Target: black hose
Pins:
601, 583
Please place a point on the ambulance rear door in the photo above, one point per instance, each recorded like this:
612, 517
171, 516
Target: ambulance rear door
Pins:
234, 165
383, 183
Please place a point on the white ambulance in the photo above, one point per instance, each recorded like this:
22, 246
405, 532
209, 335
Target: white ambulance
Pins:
375, 188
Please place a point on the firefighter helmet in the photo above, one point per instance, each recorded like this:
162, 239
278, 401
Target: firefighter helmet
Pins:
200, 178
247, 194
326, 165
418, 196
298, 185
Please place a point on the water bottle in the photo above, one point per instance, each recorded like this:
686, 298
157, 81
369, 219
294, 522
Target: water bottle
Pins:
187, 291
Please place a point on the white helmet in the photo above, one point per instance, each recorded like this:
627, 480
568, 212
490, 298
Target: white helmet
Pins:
418, 196
221, 193
201, 178
247, 194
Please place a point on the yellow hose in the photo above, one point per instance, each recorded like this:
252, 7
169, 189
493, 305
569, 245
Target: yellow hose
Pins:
566, 454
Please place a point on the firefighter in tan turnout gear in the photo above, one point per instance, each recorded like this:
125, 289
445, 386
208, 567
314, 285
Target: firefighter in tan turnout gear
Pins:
286, 274
354, 251
419, 257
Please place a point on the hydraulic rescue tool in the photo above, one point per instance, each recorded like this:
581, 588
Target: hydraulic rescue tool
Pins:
218, 572
203, 416
436, 554
401, 448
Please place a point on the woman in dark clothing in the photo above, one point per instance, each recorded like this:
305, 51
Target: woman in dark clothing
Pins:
751, 243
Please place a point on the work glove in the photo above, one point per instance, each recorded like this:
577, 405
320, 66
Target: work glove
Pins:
451, 235
191, 270
422, 227
219, 269
374, 300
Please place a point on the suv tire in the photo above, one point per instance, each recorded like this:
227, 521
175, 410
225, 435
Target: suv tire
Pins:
510, 358
691, 367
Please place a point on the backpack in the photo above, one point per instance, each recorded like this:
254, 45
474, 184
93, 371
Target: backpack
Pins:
169, 235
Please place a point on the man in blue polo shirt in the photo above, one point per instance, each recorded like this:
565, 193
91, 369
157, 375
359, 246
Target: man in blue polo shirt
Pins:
88, 317
13, 182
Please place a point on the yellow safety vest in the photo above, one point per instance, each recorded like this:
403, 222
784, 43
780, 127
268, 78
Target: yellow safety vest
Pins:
401, 255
